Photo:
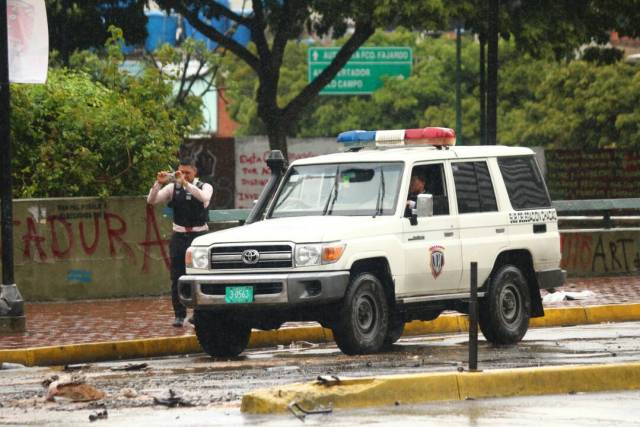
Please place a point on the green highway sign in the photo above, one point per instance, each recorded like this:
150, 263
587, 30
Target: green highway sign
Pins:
363, 73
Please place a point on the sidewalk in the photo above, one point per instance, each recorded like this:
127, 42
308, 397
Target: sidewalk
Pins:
61, 323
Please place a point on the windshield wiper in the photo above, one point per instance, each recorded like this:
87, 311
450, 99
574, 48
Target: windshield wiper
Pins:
381, 192
333, 195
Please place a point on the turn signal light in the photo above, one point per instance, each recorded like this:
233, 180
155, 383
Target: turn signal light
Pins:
332, 253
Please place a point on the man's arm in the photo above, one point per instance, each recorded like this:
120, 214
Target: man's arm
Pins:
203, 195
159, 194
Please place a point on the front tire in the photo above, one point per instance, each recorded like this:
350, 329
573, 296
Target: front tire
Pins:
220, 335
506, 307
363, 318
394, 332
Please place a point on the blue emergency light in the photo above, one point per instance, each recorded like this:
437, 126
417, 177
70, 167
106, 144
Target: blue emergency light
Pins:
356, 136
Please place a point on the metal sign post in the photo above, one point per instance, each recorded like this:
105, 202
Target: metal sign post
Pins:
11, 303
473, 319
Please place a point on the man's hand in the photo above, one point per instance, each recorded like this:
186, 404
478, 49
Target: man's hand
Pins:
162, 177
179, 178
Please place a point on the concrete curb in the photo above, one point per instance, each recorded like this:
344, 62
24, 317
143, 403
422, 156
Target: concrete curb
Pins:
422, 388
154, 347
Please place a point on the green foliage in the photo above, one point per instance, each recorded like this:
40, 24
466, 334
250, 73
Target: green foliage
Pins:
573, 104
78, 25
94, 130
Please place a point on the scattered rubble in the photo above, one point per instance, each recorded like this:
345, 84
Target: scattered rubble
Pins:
73, 388
132, 367
102, 415
173, 401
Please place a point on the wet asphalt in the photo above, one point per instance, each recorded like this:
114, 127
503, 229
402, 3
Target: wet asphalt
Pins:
215, 387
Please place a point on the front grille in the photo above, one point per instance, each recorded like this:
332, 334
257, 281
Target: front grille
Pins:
230, 257
265, 288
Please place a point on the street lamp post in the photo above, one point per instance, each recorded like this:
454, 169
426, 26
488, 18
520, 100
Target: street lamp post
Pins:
11, 303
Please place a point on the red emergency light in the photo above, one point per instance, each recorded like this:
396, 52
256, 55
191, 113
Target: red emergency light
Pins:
430, 136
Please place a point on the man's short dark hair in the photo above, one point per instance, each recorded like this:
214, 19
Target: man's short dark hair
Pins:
188, 161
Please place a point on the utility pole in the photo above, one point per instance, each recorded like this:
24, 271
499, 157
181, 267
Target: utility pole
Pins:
492, 73
458, 85
11, 303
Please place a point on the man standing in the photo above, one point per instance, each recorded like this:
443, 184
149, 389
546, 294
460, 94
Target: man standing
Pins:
189, 198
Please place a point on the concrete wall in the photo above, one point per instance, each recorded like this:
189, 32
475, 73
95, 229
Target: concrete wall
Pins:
601, 253
252, 172
84, 248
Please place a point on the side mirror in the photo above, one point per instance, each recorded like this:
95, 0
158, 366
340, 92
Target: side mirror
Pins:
424, 205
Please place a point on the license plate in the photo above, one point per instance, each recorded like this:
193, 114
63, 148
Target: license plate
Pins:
238, 294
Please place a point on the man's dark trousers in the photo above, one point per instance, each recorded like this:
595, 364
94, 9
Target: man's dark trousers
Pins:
177, 249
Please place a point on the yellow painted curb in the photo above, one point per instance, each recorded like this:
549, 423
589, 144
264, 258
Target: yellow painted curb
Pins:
421, 388
153, 347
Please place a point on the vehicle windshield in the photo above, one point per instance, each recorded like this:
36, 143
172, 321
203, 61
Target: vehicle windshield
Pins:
354, 189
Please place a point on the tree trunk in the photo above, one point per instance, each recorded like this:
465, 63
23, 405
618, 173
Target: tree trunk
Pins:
277, 134
492, 74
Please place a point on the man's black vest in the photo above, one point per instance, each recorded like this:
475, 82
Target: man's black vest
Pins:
187, 210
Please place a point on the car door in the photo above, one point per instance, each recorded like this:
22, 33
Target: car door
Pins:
432, 250
483, 227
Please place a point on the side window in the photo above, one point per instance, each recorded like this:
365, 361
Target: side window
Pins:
524, 183
474, 190
429, 179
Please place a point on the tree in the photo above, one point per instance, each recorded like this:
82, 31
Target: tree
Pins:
95, 130
274, 23
539, 27
79, 25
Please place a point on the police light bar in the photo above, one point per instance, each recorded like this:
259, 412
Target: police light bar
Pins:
431, 136
435, 136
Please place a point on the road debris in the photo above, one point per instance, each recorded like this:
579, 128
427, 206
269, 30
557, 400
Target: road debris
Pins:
102, 415
173, 401
74, 368
558, 296
300, 413
328, 380
7, 365
129, 393
73, 388
132, 367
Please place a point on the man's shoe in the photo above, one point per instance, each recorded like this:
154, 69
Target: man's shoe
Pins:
178, 322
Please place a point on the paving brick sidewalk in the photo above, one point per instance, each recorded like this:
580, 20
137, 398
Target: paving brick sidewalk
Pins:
126, 319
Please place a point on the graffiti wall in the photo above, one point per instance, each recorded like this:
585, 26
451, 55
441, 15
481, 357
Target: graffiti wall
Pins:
252, 172
601, 253
85, 248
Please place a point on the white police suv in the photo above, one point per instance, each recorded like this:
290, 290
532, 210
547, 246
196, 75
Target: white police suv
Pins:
340, 240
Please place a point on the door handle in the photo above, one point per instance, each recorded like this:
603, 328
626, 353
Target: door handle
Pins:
448, 234
499, 230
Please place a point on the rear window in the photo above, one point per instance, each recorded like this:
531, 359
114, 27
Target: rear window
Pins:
524, 183
474, 190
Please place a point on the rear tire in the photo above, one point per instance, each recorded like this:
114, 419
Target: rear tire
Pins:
363, 318
221, 335
506, 307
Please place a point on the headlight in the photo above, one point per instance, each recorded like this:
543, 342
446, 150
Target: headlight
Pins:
197, 257
316, 254
308, 255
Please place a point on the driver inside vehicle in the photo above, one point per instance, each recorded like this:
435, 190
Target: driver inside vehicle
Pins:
417, 185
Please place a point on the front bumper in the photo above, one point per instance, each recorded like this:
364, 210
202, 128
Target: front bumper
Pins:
208, 290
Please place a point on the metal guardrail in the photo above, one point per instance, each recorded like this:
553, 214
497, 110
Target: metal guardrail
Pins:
591, 205
600, 210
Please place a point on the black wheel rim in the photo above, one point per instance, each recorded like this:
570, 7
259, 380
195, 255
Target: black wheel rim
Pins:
366, 312
510, 305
